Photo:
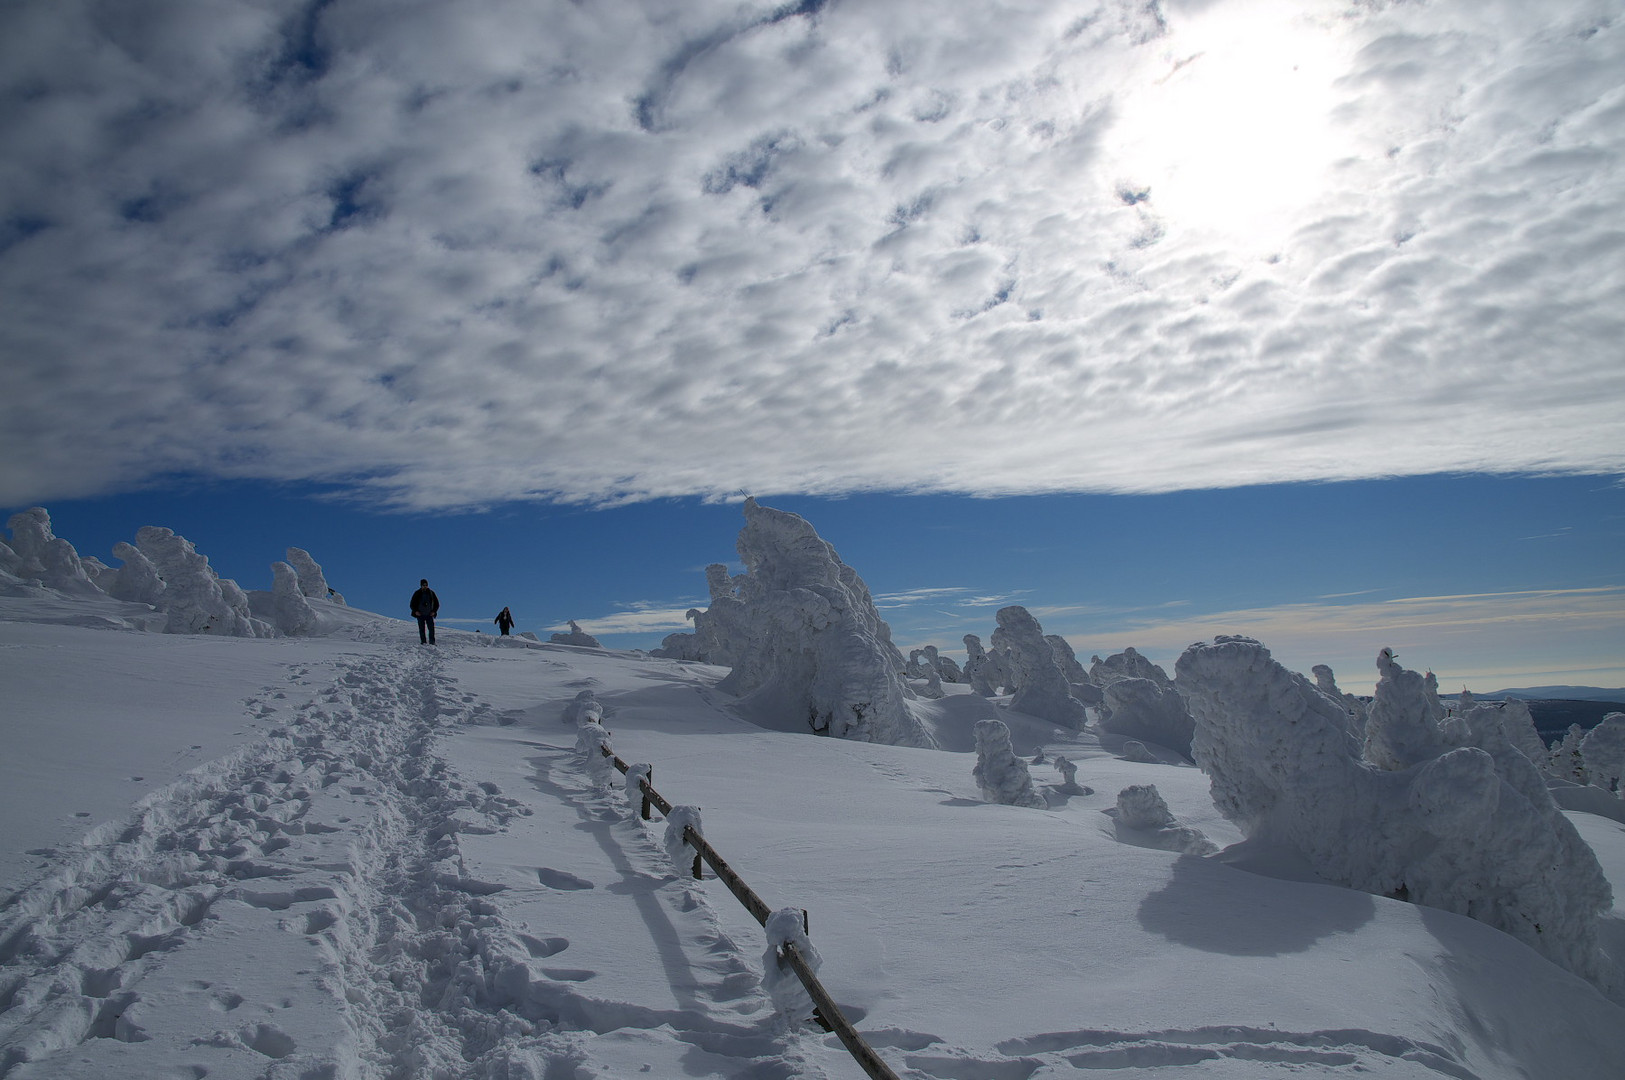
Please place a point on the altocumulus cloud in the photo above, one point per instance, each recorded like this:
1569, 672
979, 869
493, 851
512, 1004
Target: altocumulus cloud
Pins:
455, 253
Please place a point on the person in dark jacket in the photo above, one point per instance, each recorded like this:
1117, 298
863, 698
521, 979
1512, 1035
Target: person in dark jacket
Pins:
425, 606
504, 621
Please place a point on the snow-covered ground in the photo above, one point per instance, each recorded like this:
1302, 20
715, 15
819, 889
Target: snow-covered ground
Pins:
355, 856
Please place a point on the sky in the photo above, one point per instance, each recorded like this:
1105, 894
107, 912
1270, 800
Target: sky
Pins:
521, 281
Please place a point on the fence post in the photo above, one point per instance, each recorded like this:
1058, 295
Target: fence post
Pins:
647, 785
826, 1011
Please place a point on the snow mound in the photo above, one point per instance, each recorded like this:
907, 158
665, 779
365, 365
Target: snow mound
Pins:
1142, 817
1419, 813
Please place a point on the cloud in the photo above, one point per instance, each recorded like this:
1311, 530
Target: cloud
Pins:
812, 248
640, 619
1551, 635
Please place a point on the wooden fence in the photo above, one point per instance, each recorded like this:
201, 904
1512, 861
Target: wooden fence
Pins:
827, 1013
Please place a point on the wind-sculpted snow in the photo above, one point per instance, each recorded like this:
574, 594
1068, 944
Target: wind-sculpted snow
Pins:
1422, 814
802, 635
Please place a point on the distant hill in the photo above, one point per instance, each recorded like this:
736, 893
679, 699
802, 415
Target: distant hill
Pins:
1551, 693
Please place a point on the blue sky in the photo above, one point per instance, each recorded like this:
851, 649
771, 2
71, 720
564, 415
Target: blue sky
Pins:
1188, 289
1491, 581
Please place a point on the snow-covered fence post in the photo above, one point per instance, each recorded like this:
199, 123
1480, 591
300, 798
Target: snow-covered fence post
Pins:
679, 820
592, 742
640, 778
683, 833
786, 930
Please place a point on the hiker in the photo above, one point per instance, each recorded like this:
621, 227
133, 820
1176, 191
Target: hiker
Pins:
425, 606
504, 621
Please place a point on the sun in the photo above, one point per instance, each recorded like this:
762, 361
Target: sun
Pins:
1230, 133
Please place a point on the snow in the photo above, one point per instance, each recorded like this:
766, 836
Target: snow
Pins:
1424, 814
346, 855
803, 638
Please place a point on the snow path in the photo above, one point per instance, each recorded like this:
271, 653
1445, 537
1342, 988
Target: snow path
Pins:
314, 881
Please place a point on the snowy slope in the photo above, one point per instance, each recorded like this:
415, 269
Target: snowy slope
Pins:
352, 856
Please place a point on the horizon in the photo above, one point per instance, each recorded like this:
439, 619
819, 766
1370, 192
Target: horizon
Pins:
1282, 317
1492, 583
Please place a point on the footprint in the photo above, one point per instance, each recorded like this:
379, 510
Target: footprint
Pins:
268, 1039
569, 974
540, 948
559, 879
320, 919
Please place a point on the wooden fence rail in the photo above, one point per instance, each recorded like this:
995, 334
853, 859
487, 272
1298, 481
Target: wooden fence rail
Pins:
827, 1012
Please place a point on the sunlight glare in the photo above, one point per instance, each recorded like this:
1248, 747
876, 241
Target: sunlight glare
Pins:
1230, 134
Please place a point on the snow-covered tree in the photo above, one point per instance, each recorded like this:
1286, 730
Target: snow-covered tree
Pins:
576, 636
922, 665
137, 580
1604, 751
312, 582
985, 672
1038, 685
196, 599
1326, 683
1001, 775
1402, 727
802, 633
37, 552
1567, 761
1149, 711
1066, 659
1466, 828
291, 612
1128, 664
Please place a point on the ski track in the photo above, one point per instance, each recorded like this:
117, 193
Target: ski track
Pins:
328, 853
